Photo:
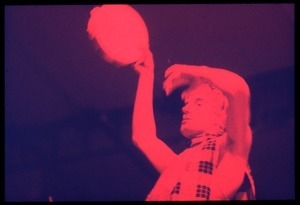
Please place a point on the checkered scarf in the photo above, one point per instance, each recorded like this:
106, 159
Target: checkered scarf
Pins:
189, 177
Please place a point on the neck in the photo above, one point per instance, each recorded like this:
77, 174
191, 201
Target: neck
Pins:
202, 137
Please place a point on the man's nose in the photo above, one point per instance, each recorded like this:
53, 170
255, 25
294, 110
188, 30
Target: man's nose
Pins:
184, 109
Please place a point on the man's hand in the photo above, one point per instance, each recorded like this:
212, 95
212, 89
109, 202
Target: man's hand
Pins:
145, 64
179, 75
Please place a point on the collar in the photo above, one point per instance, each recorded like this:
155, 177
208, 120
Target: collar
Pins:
199, 139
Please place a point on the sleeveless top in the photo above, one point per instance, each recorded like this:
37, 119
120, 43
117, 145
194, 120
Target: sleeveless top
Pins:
189, 177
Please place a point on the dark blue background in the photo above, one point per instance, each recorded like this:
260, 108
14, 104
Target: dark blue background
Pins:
68, 113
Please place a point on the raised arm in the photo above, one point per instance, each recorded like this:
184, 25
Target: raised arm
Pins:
237, 92
143, 122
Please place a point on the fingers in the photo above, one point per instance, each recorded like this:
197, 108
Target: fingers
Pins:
179, 75
167, 88
176, 78
145, 63
171, 69
170, 86
167, 84
172, 78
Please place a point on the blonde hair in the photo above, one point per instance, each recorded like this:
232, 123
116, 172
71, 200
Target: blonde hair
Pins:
219, 101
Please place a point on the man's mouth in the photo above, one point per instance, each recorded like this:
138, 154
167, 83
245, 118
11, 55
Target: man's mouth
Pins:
185, 119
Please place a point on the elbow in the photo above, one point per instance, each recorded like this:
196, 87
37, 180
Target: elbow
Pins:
135, 140
142, 141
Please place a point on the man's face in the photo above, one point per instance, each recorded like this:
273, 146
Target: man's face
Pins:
198, 112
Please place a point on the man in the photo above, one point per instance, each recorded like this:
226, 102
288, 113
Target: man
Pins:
216, 119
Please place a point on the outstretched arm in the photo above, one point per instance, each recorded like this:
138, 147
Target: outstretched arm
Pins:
237, 92
143, 122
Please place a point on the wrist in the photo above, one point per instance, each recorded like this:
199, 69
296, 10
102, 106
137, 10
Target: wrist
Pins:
147, 74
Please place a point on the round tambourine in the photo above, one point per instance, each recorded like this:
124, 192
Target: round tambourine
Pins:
120, 32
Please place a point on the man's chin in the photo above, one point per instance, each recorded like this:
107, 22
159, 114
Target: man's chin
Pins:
187, 133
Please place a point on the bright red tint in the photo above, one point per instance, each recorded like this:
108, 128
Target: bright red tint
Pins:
215, 119
120, 32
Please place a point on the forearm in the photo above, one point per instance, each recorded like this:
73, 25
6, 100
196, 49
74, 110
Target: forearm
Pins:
230, 82
232, 85
143, 123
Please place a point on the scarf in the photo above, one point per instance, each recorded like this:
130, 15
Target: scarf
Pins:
189, 177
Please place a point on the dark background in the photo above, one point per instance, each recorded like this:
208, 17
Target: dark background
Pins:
68, 113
